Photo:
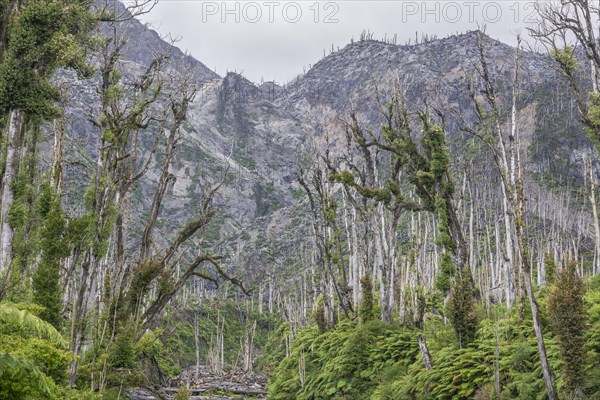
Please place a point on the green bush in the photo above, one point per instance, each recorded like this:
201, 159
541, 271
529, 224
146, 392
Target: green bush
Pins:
183, 393
346, 362
33, 356
383, 362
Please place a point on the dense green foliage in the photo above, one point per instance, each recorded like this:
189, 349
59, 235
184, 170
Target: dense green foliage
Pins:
47, 291
346, 362
33, 356
377, 361
45, 36
34, 359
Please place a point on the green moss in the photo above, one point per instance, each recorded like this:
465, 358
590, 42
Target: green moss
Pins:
566, 59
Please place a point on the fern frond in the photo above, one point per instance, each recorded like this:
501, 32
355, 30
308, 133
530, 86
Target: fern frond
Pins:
25, 320
21, 375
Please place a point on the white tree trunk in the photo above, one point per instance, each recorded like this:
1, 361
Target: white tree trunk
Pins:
424, 352
15, 126
197, 344
57, 155
509, 248
596, 222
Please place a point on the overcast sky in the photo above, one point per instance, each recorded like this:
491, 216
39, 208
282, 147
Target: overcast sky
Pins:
277, 40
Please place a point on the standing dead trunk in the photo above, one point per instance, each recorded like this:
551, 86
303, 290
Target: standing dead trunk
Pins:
425, 355
197, 343
511, 176
523, 245
508, 252
248, 346
596, 222
546, 371
526, 277
15, 128
57, 152
79, 317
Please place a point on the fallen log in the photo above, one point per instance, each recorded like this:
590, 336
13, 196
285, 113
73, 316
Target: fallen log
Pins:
230, 390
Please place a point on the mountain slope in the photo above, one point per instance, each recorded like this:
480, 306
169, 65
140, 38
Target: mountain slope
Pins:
262, 132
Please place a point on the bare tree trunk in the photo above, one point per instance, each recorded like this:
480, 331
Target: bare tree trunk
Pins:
524, 250
248, 346
382, 264
15, 128
352, 259
594, 73
197, 343
222, 345
79, 316
513, 195
270, 304
260, 300
425, 355
57, 153
546, 371
596, 222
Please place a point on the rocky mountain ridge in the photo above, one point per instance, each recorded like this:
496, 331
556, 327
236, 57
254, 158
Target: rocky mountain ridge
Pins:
262, 132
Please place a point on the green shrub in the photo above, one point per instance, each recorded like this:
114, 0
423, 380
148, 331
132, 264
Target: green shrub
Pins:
346, 362
183, 393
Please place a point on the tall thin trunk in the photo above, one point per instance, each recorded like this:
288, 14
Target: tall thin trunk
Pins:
197, 343
382, 264
509, 248
596, 222
546, 371
57, 154
78, 317
513, 193
15, 128
425, 355
594, 73
524, 250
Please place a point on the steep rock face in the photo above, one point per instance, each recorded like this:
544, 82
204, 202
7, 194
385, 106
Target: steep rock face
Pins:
262, 132
230, 126
144, 44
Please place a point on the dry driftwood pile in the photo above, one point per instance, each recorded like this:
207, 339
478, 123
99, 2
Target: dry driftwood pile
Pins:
210, 385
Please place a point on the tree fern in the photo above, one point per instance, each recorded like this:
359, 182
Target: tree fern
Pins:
23, 319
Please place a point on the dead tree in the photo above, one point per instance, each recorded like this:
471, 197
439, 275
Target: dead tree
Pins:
506, 154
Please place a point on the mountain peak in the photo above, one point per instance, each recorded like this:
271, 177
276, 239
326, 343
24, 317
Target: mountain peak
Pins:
476, 34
